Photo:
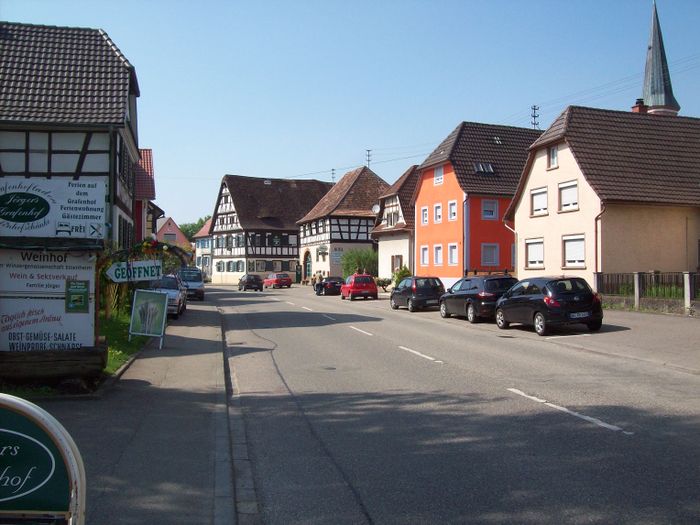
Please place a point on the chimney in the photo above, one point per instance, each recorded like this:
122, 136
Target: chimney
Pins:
639, 107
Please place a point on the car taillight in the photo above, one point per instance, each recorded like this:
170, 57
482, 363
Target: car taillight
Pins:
551, 302
484, 294
413, 287
597, 298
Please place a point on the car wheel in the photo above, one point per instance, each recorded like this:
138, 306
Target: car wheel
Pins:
375, 297
594, 326
411, 305
351, 297
471, 314
184, 307
501, 320
393, 304
342, 297
443, 310
540, 324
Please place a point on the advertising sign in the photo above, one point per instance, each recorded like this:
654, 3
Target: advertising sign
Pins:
41, 471
55, 207
33, 272
122, 272
148, 314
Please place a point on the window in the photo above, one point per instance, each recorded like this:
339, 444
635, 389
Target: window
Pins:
396, 262
424, 256
553, 157
260, 266
437, 253
534, 252
424, 215
568, 196
489, 254
452, 211
438, 176
452, 254
199, 261
574, 251
538, 201
169, 237
437, 213
489, 210
230, 266
219, 266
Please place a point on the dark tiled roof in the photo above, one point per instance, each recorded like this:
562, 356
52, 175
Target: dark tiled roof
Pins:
204, 230
276, 205
631, 157
353, 196
62, 75
403, 188
471, 143
145, 182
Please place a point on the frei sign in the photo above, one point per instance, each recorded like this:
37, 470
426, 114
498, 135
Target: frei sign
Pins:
53, 207
41, 470
135, 271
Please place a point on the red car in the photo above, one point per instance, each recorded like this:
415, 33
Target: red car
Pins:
277, 280
359, 285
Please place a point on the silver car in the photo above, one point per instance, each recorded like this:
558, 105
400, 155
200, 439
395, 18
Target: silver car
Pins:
177, 293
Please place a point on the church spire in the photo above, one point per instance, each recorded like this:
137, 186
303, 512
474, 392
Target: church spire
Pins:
658, 93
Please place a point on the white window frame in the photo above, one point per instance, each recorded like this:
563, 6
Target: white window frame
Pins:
438, 175
537, 263
424, 217
452, 211
424, 255
578, 262
494, 204
553, 157
540, 211
569, 206
497, 258
452, 254
437, 254
437, 213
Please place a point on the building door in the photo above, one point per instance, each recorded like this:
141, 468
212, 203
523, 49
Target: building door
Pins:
307, 265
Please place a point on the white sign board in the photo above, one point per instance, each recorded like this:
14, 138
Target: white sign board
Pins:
31, 272
55, 207
135, 271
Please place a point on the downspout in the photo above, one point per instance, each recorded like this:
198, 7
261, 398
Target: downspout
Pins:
515, 235
595, 233
465, 237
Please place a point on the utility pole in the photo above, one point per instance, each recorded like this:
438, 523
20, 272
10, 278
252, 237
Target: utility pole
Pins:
535, 116
369, 156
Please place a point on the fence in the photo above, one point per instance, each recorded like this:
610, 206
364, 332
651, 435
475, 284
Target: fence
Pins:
676, 292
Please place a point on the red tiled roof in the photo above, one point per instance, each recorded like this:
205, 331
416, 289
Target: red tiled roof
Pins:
145, 182
353, 196
204, 230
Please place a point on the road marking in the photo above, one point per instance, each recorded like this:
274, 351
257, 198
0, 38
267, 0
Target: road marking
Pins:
329, 317
567, 336
590, 419
307, 308
362, 331
293, 304
274, 299
419, 354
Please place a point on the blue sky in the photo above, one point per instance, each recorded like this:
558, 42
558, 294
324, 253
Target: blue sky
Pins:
296, 88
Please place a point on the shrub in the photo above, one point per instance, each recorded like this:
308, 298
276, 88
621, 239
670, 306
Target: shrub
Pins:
399, 274
383, 283
363, 259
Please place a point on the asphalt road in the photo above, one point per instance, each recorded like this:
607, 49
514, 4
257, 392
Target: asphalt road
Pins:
355, 413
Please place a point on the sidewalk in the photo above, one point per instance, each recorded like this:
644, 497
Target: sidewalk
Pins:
156, 444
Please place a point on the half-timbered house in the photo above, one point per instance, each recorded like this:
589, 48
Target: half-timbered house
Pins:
254, 225
342, 220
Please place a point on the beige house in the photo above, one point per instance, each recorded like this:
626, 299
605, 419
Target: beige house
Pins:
610, 191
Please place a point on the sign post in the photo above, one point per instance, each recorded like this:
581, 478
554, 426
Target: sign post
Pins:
42, 475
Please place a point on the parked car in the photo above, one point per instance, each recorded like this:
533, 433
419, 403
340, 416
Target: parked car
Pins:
177, 293
475, 297
192, 277
416, 293
278, 280
550, 301
359, 285
329, 286
250, 281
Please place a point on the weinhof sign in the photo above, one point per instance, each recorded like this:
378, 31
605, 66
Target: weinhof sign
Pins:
41, 471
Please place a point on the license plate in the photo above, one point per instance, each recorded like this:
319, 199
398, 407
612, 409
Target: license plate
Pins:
579, 315
431, 301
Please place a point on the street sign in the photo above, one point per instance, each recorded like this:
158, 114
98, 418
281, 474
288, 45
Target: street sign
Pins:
41, 471
122, 272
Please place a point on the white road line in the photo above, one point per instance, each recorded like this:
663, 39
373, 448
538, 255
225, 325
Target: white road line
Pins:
567, 336
329, 317
590, 419
293, 304
419, 354
274, 299
307, 308
361, 331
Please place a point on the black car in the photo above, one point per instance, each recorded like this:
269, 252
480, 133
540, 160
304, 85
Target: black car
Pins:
550, 301
416, 293
475, 297
329, 286
250, 281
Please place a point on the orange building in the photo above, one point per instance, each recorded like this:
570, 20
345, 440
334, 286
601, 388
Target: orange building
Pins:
465, 187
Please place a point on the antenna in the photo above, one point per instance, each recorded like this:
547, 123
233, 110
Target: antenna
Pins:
535, 116
369, 156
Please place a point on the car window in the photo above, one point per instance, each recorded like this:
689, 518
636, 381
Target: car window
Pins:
404, 284
456, 287
191, 275
427, 282
364, 279
519, 289
348, 280
534, 289
573, 285
167, 283
499, 285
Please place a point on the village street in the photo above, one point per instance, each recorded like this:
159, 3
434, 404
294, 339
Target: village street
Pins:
350, 412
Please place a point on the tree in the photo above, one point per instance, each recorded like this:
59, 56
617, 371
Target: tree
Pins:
190, 229
364, 260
